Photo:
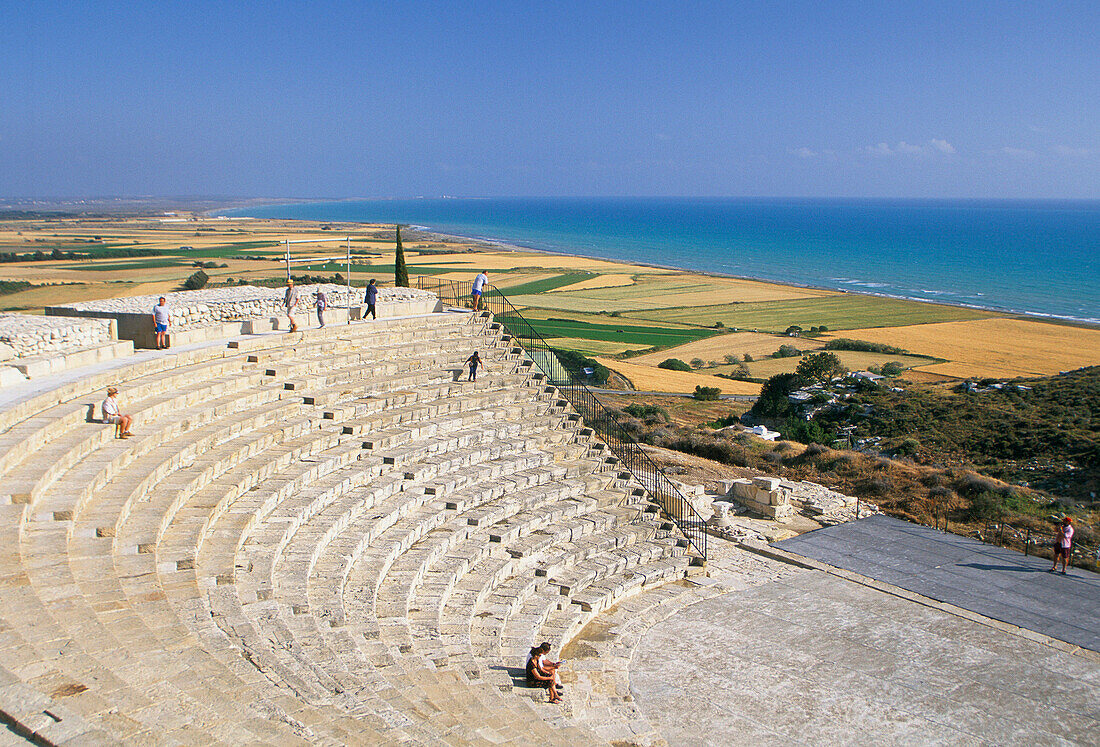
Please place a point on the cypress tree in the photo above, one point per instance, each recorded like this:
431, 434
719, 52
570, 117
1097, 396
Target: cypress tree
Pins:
400, 271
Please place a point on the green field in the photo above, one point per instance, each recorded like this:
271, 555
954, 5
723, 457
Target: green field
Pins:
652, 336
151, 263
835, 312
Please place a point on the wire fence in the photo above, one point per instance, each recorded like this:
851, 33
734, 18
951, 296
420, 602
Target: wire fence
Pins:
1039, 543
570, 382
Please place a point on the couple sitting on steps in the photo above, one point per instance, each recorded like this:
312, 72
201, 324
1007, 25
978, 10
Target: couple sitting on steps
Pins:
541, 672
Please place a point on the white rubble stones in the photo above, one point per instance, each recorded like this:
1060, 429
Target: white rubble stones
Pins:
778, 499
24, 335
215, 305
762, 495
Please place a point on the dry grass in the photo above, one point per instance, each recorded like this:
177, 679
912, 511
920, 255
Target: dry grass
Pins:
994, 347
738, 343
653, 379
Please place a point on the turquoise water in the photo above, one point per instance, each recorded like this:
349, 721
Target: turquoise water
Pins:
1039, 258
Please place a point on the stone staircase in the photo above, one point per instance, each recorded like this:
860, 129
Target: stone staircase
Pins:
328, 537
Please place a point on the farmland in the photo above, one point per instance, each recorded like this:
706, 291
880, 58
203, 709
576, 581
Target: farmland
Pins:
837, 311
595, 306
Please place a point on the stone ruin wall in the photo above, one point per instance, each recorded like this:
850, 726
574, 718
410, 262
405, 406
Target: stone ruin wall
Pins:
216, 305
25, 335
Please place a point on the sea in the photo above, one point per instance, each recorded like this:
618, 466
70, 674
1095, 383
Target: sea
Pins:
1039, 258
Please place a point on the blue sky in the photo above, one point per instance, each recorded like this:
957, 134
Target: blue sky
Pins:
332, 99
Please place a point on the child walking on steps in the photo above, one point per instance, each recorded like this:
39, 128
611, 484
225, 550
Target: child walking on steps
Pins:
473, 362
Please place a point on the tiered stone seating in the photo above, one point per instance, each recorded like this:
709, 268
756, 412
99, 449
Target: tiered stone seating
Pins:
327, 537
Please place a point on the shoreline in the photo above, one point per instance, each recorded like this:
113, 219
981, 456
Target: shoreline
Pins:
502, 245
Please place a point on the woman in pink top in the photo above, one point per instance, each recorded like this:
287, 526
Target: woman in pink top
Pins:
1063, 544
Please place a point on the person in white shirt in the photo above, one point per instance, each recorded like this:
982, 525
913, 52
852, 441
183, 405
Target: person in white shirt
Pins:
162, 317
290, 300
479, 285
113, 415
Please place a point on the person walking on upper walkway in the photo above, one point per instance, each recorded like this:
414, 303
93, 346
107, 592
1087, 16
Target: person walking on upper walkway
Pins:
322, 304
162, 317
371, 297
290, 300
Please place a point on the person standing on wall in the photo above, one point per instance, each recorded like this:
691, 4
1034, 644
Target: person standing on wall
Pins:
371, 298
479, 285
290, 300
162, 317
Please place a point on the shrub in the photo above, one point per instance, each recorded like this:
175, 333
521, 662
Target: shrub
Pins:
196, 281
892, 369
648, 413
747, 358
707, 392
674, 364
616, 313
719, 325
805, 431
698, 363
908, 446
731, 359
575, 363
985, 506
787, 351
862, 346
876, 486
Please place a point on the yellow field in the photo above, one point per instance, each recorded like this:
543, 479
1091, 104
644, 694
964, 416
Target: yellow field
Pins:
653, 379
668, 291
852, 360
600, 281
716, 348
993, 347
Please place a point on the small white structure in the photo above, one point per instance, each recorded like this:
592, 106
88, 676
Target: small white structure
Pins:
763, 432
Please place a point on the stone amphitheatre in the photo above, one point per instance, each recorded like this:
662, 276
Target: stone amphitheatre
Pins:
332, 537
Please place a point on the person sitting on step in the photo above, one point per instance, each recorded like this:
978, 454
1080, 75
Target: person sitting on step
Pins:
536, 678
546, 666
113, 415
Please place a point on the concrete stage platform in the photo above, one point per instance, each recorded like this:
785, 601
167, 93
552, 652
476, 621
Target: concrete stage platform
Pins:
993, 581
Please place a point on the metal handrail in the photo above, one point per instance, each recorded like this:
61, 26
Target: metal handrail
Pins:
595, 414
